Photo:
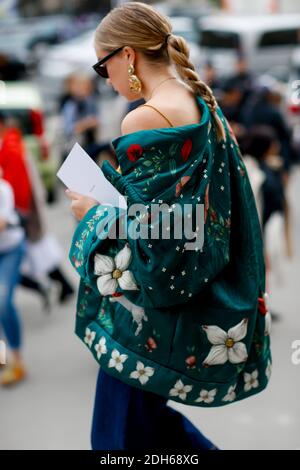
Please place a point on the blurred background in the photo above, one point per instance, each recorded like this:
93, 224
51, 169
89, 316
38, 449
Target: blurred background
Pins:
50, 97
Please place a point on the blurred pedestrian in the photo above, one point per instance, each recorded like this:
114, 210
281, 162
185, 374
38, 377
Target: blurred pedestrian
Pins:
261, 145
80, 115
12, 247
232, 100
13, 163
210, 76
43, 257
264, 108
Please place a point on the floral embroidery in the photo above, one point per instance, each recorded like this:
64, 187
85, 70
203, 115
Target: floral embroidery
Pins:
206, 202
181, 184
78, 259
180, 390
113, 272
218, 227
207, 396
138, 313
77, 262
186, 149
134, 152
226, 346
263, 308
268, 324
269, 370
142, 373
101, 347
117, 360
151, 344
82, 307
191, 362
251, 380
89, 337
231, 395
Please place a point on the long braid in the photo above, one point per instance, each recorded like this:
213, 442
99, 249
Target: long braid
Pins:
179, 53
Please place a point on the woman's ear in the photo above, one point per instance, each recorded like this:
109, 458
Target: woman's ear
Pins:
129, 54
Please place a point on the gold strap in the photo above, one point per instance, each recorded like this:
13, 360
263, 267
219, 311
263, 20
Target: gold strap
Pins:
150, 106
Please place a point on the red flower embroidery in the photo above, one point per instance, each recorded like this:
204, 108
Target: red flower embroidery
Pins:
117, 294
262, 306
191, 362
76, 262
134, 152
186, 149
213, 216
180, 185
151, 344
206, 202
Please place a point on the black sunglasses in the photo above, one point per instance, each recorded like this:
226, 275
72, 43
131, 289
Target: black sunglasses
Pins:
100, 68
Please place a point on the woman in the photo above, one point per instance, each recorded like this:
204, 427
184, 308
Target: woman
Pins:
164, 319
11, 254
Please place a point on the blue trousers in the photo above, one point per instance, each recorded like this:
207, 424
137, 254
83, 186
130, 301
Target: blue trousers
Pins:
128, 418
9, 277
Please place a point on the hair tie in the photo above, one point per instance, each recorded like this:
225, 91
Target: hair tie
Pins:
167, 37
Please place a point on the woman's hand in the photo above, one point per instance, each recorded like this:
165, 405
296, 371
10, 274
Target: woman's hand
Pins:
80, 205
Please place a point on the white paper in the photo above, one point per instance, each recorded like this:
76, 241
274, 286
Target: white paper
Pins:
82, 175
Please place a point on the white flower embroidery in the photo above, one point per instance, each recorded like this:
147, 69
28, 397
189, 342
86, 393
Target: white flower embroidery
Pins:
117, 360
138, 313
207, 396
101, 347
269, 370
226, 346
142, 373
268, 324
251, 380
180, 390
231, 395
268, 319
266, 300
89, 337
113, 272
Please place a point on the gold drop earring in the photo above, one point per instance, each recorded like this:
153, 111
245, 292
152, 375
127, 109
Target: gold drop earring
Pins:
135, 84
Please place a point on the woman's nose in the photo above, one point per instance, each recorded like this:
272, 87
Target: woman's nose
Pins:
108, 82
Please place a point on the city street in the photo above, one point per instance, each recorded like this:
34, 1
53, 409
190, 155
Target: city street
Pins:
53, 408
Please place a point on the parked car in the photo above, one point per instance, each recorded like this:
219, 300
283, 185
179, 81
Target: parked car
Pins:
29, 38
265, 41
22, 104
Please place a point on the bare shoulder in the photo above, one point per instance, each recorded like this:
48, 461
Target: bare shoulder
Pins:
142, 118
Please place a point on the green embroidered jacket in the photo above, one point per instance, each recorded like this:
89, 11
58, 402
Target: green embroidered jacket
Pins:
189, 324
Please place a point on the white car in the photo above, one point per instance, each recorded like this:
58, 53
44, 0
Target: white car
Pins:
266, 41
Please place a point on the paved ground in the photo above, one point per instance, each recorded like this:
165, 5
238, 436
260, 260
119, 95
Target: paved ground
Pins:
53, 408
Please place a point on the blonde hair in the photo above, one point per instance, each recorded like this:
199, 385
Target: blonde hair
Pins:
145, 29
